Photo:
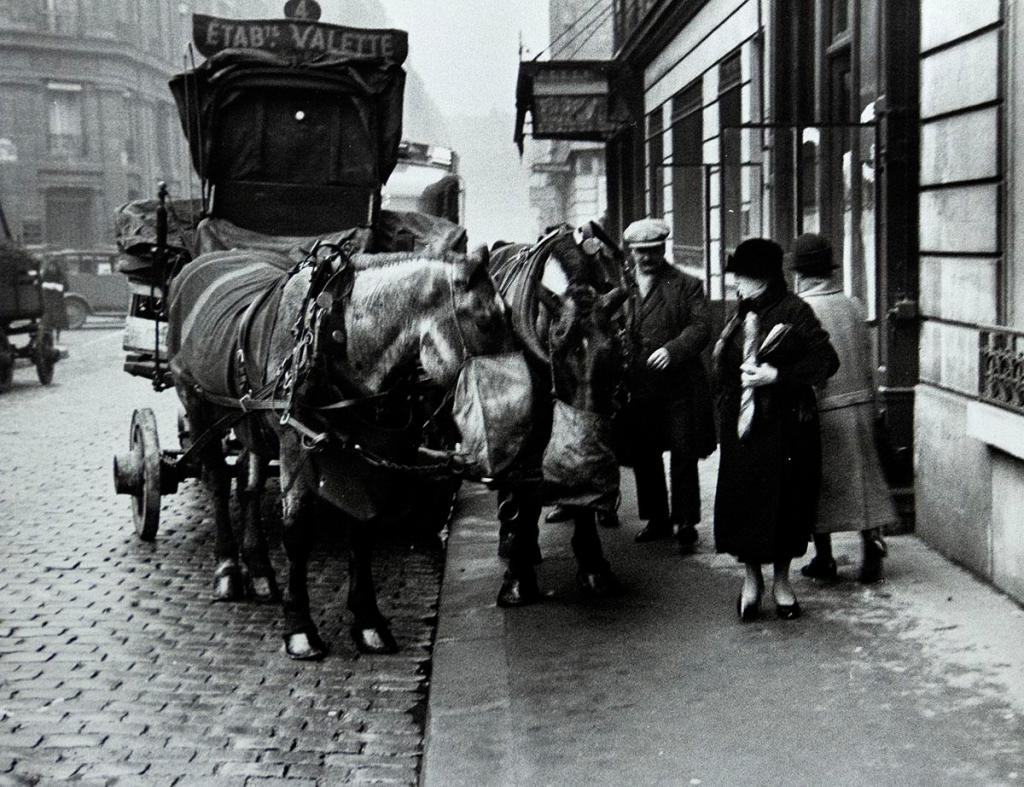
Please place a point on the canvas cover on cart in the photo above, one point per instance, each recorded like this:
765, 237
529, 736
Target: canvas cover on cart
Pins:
135, 225
206, 303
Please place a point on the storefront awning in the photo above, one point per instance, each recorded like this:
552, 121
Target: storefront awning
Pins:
567, 99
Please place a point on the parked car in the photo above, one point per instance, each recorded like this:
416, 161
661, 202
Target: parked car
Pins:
94, 284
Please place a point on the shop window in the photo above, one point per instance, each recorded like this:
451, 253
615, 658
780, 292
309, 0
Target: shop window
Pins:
688, 175
730, 115
66, 137
656, 162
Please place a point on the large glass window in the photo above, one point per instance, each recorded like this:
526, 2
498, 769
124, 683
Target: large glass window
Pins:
656, 162
730, 114
688, 175
66, 137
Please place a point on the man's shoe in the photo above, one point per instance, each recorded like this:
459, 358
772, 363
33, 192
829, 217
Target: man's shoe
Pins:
824, 570
687, 537
655, 530
558, 514
609, 520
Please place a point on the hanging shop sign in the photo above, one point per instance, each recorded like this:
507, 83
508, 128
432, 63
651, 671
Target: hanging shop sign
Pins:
300, 37
566, 100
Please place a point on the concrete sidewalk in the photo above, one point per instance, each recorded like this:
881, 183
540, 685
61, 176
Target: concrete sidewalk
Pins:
919, 680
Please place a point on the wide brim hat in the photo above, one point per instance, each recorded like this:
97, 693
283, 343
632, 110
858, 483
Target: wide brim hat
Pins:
758, 258
646, 234
812, 254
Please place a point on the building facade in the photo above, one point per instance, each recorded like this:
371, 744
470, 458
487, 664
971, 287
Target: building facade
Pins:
890, 127
86, 118
969, 410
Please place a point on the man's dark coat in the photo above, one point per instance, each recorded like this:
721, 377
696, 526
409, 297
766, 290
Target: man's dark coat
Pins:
671, 409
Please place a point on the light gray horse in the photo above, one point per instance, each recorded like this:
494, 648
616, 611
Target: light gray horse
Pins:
340, 329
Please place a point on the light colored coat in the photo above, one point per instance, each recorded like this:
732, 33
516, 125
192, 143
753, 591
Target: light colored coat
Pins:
854, 494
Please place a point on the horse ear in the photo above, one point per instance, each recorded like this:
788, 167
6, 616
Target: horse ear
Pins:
610, 302
481, 255
476, 265
550, 300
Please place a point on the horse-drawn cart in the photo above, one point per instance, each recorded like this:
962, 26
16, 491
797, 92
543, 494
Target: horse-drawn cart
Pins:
22, 315
292, 128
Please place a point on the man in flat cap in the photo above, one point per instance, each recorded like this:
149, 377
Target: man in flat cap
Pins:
670, 407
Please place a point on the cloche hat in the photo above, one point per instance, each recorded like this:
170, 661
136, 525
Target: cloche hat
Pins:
758, 258
812, 255
646, 233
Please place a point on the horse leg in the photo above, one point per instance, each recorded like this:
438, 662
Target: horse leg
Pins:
228, 579
594, 575
301, 639
370, 629
262, 582
519, 512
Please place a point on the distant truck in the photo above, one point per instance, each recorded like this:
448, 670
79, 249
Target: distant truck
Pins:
425, 179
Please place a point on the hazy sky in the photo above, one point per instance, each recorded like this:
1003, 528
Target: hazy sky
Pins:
467, 51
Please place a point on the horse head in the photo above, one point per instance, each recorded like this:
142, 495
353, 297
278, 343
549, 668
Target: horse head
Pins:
584, 343
472, 319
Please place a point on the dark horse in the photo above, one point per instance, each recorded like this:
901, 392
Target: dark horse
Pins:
570, 314
306, 343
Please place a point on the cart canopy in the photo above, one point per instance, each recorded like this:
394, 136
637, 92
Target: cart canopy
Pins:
296, 135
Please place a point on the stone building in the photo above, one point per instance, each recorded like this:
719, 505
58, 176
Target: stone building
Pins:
969, 411
568, 182
86, 118
889, 127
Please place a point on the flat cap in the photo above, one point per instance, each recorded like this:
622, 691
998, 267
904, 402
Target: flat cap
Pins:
646, 233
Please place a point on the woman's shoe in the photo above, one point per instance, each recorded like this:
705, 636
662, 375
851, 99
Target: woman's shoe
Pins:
748, 613
821, 569
788, 611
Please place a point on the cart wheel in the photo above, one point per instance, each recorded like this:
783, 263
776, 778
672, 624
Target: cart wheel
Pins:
6, 363
45, 356
137, 473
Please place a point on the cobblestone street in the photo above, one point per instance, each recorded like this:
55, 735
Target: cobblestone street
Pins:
114, 663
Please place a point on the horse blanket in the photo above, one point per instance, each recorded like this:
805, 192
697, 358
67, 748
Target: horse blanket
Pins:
207, 301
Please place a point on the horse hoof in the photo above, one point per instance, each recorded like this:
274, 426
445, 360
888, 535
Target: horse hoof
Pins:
374, 639
264, 590
305, 645
518, 592
228, 582
599, 584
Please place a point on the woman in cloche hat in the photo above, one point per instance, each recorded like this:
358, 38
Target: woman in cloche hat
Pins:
854, 494
771, 354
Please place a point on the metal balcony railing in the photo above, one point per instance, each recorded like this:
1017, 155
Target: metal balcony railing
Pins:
1001, 368
629, 15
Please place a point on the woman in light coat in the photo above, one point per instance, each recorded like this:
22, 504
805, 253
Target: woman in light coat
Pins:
854, 494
